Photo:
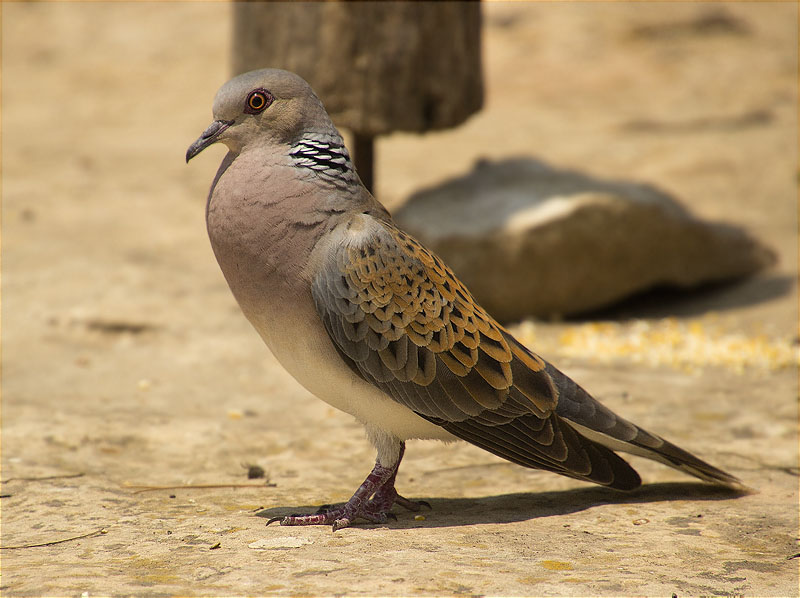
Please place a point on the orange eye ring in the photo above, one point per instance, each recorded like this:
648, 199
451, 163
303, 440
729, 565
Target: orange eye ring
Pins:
257, 101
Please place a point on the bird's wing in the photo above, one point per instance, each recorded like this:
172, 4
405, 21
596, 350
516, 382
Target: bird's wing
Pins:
404, 322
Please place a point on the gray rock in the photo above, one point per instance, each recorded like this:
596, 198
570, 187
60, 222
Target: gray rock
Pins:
528, 239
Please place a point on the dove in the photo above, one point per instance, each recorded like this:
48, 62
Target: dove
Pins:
368, 320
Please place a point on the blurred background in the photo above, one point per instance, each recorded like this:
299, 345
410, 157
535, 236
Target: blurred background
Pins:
125, 356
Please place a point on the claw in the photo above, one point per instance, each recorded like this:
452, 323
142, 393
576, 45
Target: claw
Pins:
411, 505
274, 519
340, 524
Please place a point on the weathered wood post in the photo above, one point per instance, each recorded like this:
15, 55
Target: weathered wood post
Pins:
377, 66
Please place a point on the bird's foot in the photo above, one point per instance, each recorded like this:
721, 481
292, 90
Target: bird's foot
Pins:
372, 501
386, 496
337, 518
376, 510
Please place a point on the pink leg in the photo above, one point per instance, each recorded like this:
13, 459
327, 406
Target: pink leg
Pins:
371, 501
387, 495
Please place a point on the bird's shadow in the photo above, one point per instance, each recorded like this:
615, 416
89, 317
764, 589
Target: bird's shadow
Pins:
524, 506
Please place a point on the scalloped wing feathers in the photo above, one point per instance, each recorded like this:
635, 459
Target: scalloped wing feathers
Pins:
405, 323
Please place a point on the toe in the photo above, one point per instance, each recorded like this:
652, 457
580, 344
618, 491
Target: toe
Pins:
340, 524
411, 505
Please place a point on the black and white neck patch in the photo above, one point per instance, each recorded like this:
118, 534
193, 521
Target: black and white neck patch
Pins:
327, 156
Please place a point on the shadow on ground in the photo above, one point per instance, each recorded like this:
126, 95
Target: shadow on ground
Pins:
524, 506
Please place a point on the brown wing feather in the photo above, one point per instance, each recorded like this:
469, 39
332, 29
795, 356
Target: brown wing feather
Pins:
396, 310
406, 324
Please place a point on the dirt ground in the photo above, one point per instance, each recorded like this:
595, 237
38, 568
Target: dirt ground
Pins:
127, 365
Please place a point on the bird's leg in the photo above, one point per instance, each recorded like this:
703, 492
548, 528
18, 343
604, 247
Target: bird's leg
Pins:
371, 501
387, 495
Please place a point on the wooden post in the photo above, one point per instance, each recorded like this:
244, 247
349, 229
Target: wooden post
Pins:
378, 67
363, 158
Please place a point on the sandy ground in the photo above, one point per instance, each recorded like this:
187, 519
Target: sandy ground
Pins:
126, 362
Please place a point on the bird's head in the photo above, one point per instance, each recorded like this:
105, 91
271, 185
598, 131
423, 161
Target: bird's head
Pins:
265, 106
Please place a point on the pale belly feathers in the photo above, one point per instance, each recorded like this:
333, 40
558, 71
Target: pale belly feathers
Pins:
305, 351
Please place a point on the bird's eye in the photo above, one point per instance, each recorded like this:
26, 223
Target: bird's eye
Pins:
257, 101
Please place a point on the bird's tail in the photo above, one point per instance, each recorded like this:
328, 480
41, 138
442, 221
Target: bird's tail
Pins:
656, 448
601, 425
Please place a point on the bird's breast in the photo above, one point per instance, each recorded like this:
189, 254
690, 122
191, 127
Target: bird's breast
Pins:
263, 251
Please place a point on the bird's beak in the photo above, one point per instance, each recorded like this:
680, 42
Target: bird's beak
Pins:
209, 136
